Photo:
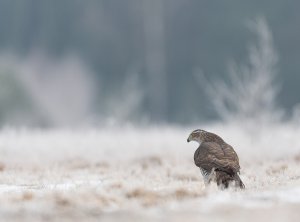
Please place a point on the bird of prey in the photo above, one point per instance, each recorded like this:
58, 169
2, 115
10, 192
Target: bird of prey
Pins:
216, 159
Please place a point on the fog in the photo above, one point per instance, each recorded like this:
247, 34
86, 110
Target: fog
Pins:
111, 43
97, 99
40, 90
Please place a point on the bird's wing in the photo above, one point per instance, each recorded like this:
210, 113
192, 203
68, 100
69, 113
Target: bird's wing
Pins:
231, 154
213, 155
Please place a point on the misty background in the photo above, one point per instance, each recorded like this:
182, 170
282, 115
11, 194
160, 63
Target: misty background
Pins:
74, 63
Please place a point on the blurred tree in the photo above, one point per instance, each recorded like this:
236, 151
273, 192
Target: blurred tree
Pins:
155, 59
166, 39
16, 105
251, 92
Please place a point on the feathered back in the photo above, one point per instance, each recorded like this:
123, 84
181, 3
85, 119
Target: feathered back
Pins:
215, 155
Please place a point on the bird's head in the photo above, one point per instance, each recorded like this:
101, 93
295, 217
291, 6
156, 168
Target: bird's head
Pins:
197, 135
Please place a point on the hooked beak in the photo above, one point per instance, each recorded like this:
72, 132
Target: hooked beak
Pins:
188, 140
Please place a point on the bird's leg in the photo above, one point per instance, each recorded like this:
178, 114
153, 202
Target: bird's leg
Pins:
212, 175
208, 176
205, 175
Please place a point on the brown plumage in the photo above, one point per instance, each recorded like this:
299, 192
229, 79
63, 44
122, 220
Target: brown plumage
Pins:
216, 159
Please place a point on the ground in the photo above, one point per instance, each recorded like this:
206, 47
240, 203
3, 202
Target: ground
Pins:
132, 174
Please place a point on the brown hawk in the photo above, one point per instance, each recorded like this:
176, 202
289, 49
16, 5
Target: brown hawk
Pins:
216, 159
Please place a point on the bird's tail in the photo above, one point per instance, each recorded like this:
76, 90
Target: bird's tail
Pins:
224, 180
238, 182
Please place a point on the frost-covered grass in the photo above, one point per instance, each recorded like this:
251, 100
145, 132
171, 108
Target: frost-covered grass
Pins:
143, 174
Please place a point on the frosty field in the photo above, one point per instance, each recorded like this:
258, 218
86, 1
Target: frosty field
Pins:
145, 174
